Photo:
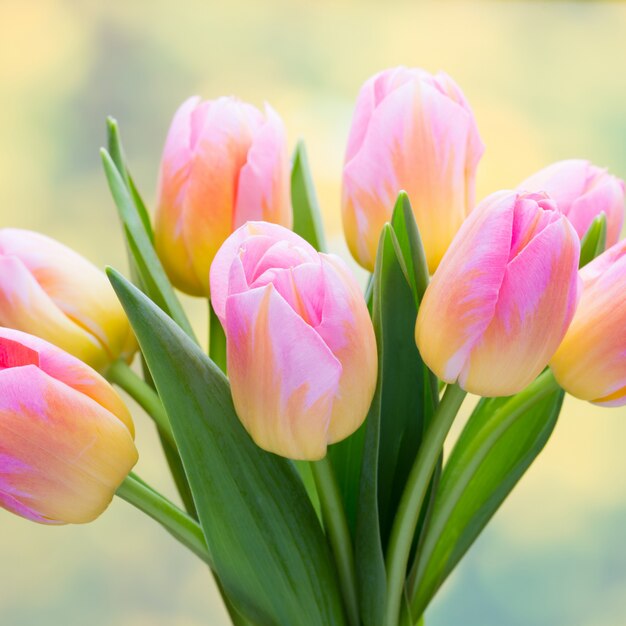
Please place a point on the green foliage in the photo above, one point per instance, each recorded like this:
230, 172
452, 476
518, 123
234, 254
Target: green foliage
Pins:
268, 547
402, 404
137, 232
500, 441
593, 243
307, 221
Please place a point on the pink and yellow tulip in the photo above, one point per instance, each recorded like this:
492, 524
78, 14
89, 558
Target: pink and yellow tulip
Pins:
414, 131
48, 290
503, 296
591, 362
224, 163
300, 343
582, 191
66, 437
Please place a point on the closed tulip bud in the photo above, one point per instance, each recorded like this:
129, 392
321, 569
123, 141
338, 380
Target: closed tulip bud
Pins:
413, 131
591, 362
301, 349
582, 191
224, 163
66, 438
505, 293
48, 290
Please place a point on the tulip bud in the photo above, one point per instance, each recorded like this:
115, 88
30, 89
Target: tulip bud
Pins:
582, 191
416, 132
505, 292
301, 348
591, 362
48, 290
224, 163
66, 438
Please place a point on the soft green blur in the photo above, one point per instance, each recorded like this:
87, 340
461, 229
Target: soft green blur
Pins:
546, 81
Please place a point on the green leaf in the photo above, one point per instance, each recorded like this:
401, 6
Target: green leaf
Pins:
307, 221
268, 547
152, 275
593, 243
116, 151
410, 242
395, 423
347, 455
500, 441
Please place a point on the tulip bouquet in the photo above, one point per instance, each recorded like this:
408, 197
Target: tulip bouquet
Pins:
307, 441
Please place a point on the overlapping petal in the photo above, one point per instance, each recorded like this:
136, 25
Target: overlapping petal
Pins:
503, 296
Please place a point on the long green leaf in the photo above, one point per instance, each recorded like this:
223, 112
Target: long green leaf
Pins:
269, 549
347, 455
307, 221
116, 151
149, 268
500, 441
394, 426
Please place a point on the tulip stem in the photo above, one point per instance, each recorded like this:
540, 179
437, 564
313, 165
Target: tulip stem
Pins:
413, 496
124, 377
180, 525
336, 525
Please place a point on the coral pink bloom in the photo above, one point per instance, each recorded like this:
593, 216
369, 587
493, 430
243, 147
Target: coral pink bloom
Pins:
505, 293
224, 163
66, 437
300, 343
591, 362
582, 191
416, 132
48, 290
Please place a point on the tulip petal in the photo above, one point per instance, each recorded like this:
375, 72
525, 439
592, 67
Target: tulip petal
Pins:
74, 285
347, 330
264, 186
536, 302
61, 454
421, 139
591, 362
283, 376
18, 349
256, 238
26, 306
461, 299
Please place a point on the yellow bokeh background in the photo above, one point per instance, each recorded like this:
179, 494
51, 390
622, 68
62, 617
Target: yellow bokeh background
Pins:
547, 81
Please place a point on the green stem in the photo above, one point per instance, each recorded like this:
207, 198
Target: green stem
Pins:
174, 520
122, 375
513, 408
217, 340
336, 526
408, 513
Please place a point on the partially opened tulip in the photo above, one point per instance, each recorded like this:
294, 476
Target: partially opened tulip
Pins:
591, 362
414, 131
66, 437
224, 163
503, 297
300, 343
582, 191
48, 290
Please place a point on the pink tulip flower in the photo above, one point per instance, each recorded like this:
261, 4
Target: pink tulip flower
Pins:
301, 349
591, 362
582, 191
66, 437
503, 297
413, 131
224, 163
48, 290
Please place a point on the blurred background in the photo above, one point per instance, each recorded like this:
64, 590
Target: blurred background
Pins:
547, 81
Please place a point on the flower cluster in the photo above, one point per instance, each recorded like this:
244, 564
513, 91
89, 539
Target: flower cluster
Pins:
506, 294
